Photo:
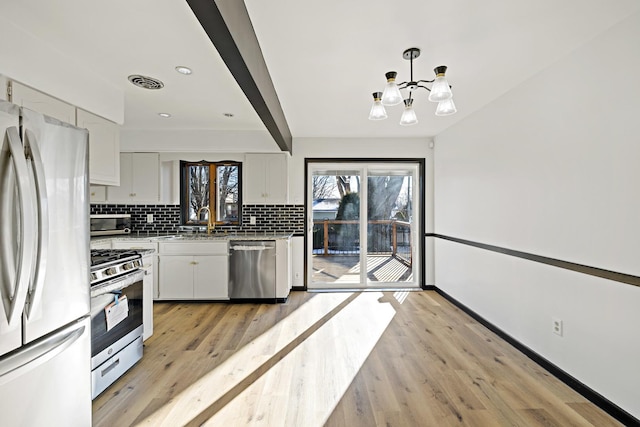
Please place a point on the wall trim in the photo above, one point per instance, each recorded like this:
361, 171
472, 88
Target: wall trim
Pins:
580, 268
593, 396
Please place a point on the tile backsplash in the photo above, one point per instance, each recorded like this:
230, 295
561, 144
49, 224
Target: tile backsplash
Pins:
166, 218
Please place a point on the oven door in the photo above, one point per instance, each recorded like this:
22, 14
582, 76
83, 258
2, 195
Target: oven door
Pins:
124, 324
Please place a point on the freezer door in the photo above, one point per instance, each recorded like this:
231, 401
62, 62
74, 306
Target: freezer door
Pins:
12, 262
49, 382
59, 159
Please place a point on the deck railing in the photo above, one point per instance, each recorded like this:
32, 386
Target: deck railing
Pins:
342, 237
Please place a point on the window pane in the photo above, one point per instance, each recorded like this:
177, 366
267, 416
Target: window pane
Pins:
198, 191
228, 193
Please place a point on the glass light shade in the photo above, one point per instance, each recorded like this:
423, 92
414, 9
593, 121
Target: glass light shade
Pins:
440, 90
446, 107
408, 116
391, 94
377, 111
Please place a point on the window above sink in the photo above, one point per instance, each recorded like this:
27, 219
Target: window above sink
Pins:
210, 188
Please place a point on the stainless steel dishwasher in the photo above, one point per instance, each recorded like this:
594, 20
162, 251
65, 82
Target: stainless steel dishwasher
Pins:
252, 269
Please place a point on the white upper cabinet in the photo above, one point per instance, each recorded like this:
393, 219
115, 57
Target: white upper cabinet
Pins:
37, 101
139, 179
104, 148
104, 136
265, 179
4, 84
97, 194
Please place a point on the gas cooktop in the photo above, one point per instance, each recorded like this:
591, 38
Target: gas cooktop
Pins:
108, 264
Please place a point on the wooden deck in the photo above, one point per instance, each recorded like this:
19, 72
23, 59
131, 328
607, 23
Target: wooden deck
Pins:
335, 359
346, 269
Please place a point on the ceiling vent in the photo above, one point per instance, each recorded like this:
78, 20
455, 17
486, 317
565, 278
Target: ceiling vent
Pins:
146, 82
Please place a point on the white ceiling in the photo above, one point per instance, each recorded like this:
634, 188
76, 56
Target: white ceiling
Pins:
325, 57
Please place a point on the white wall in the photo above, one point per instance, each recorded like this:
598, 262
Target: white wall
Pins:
197, 140
35, 63
552, 168
358, 148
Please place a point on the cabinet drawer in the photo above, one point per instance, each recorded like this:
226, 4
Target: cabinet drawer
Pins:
194, 248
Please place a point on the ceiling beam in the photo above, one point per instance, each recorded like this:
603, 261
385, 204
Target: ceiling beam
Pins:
227, 24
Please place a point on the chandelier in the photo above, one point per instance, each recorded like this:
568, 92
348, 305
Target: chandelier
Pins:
439, 92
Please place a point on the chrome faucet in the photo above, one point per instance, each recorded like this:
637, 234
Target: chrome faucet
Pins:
211, 225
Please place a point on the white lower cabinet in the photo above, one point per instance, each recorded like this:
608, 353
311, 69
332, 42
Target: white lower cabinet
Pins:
283, 268
147, 295
176, 276
194, 270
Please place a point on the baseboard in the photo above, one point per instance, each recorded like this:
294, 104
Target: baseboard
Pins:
596, 398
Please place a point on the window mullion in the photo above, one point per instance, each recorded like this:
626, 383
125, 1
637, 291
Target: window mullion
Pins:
213, 191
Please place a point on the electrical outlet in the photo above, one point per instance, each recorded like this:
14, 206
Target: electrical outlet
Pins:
149, 218
252, 220
557, 326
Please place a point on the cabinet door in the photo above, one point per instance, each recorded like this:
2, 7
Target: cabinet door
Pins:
147, 295
139, 179
276, 179
145, 177
211, 277
97, 194
254, 170
45, 104
175, 279
265, 179
104, 148
122, 193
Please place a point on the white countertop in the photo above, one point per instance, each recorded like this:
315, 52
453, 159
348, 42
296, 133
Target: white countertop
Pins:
195, 236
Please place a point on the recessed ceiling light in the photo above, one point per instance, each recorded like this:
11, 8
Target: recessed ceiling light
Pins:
228, 115
164, 115
183, 70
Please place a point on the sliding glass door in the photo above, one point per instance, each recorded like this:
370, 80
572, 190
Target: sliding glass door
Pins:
363, 219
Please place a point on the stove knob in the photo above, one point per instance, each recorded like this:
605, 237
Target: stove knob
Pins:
127, 266
137, 263
94, 277
110, 271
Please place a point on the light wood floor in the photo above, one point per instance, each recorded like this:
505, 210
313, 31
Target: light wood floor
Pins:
335, 359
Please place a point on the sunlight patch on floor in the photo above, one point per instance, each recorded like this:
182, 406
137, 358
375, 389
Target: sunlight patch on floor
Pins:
400, 296
317, 370
316, 374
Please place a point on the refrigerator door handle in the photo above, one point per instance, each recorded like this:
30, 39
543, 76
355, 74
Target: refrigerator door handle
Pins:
39, 353
35, 291
14, 304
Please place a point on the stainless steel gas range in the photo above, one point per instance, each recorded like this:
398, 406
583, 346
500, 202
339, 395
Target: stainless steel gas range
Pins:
116, 315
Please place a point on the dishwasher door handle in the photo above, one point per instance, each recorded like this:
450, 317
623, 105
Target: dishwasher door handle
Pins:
249, 248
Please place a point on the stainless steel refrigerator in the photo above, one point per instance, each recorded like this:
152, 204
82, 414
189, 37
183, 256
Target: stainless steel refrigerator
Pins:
45, 330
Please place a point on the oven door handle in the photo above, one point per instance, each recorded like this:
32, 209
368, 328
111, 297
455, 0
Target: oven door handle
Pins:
35, 292
118, 283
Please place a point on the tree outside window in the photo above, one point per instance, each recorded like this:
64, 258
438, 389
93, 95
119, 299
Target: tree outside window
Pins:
215, 185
